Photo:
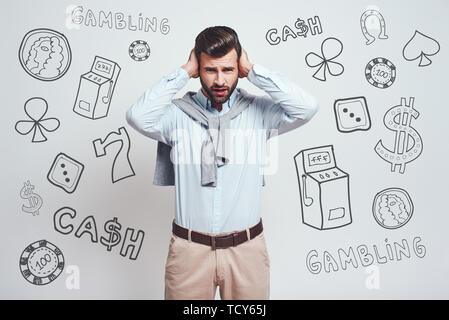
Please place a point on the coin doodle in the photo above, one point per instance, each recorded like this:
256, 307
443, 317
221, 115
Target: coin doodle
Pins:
139, 50
331, 48
41, 262
34, 200
407, 142
392, 208
36, 108
363, 19
45, 54
380, 72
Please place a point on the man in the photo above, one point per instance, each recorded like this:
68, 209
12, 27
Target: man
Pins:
217, 230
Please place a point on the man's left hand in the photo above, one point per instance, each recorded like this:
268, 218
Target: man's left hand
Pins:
244, 65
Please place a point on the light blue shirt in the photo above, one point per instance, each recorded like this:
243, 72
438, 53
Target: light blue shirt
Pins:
234, 204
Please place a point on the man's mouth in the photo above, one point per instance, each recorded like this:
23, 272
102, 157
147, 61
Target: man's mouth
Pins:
220, 91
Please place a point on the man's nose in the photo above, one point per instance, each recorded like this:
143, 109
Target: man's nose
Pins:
220, 79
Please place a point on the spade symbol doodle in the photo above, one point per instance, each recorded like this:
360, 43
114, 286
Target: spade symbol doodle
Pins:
420, 46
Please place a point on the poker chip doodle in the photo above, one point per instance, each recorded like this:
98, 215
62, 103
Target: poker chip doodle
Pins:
392, 208
331, 48
139, 50
41, 262
35, 109
380, 72
45, 54
365, 30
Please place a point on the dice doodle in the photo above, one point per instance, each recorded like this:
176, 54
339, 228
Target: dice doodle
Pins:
65, 172
352, 114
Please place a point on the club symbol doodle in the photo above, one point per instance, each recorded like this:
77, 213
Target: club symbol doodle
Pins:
41, 262
392, 208
96, 88
35, 200
407, 143
121, 167
331, 48
369, 37
352, 114
65, 172
323, 189
380, 72
45, 54
420, 46
139, 50
35, 109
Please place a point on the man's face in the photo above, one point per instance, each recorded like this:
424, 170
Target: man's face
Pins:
219, 76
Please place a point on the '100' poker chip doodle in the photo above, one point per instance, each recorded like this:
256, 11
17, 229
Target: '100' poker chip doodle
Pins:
380, 72
41, 262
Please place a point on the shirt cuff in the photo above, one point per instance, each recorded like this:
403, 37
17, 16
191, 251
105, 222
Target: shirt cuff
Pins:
178, 74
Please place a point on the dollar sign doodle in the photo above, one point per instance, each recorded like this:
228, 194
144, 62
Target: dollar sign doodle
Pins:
111, 227
408, 143
300, 24
34, 199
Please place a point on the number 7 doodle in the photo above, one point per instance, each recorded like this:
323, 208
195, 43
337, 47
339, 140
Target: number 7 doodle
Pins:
121, 167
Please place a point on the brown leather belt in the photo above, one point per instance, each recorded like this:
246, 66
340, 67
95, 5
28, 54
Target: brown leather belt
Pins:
218, 242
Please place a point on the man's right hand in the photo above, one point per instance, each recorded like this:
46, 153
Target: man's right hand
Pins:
191, 65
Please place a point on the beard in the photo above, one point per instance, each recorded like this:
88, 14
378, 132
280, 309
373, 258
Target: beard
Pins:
217, 99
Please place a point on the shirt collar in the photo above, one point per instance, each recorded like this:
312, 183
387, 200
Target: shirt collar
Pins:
204, 102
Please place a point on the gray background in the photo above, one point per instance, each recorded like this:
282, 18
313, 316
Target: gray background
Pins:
140, 205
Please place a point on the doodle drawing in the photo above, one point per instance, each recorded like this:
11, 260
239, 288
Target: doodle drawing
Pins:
420, 47
41, 262
65, 172
121, 167
392, 208
352, 114
34, 200
363, 24
331, 48
323, 189
380, 72
96, 88
35, 109
407, 141
45, 54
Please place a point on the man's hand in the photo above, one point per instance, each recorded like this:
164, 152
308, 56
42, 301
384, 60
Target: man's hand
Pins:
191, 65
244, 65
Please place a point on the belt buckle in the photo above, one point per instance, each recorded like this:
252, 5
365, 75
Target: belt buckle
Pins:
232, 235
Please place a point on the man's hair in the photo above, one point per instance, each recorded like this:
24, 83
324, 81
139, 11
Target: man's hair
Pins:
216, 42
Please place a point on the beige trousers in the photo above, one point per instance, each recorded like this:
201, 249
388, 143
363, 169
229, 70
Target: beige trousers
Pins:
193, 270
